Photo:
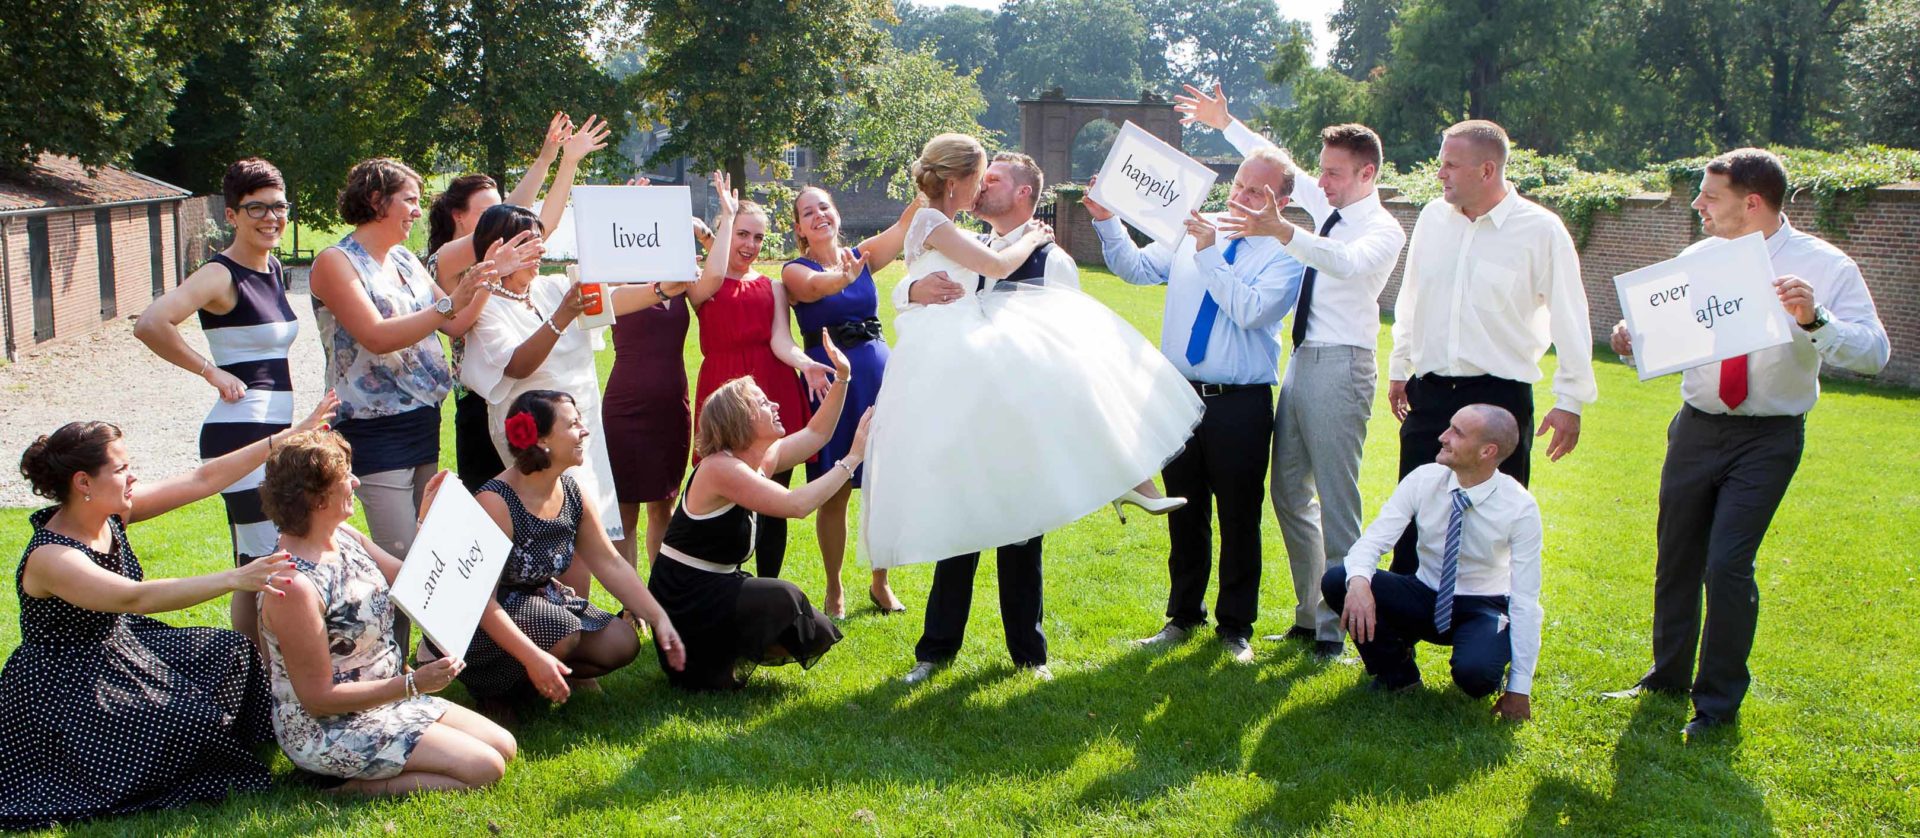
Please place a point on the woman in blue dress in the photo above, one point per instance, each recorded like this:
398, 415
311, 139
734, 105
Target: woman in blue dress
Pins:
832, 288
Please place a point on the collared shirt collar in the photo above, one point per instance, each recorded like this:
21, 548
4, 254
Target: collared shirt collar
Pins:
1506, 206
1369, 204
1780, 237
1477, 494
1011, 235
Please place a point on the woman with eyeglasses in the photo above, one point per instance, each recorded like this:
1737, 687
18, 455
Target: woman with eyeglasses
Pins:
249, 327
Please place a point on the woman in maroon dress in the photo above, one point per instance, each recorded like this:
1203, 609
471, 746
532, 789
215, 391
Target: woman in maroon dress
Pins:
745, 331
646, 406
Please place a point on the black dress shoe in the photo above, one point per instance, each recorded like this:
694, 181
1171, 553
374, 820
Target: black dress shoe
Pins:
1704, 725
1641, 689
1328, 649
1379, 686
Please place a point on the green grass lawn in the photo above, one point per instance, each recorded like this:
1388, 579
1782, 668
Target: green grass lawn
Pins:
1187, 743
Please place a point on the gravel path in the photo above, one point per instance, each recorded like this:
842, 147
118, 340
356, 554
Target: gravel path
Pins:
111, 375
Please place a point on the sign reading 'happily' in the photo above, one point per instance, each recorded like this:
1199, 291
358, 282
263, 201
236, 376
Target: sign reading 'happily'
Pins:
1150, 184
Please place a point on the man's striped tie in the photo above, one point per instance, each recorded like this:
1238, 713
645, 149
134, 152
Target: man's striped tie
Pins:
1450, 565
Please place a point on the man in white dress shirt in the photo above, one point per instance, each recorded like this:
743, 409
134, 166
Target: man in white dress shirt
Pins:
1491, 279
1008, 192
1477, 586
1320, 423
1736, 442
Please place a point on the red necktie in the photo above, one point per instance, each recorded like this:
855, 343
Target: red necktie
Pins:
1733, 381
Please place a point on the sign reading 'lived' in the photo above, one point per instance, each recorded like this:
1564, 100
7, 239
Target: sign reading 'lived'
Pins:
1150, 184
1699, 308
633, 233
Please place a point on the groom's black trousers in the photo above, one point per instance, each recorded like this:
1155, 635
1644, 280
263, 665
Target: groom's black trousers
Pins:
951, 599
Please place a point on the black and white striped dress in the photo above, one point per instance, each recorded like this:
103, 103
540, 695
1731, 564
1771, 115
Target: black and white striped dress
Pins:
250, 343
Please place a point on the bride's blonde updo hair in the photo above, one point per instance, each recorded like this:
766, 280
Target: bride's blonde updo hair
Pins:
947, 157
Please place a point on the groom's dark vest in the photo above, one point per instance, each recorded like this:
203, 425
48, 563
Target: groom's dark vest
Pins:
1032, 272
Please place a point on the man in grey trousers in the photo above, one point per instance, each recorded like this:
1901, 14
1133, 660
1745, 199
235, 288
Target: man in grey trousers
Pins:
1320, 425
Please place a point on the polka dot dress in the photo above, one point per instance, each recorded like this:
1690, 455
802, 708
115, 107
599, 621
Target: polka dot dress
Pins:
106, 714
542, 550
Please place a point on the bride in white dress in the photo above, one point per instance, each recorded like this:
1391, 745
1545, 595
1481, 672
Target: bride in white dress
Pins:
1013, 411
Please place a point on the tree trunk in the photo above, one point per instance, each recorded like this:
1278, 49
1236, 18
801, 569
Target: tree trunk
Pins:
1481, 81
737, 171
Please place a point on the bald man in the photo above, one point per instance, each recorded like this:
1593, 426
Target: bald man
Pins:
1477, 586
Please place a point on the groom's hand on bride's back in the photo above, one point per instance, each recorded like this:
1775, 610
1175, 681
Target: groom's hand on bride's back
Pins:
934, 289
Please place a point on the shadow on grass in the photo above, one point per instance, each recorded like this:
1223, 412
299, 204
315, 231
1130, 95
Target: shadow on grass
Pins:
1660, 785
1131, 733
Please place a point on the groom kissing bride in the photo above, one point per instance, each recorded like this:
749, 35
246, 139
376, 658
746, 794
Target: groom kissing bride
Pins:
1014, 404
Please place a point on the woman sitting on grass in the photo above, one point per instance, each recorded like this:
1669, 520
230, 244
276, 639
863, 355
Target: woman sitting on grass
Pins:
344, 704
543, 630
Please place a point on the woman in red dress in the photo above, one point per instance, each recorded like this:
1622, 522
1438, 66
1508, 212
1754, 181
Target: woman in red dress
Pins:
745, 331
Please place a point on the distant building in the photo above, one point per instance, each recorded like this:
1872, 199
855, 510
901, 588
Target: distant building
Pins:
79, 249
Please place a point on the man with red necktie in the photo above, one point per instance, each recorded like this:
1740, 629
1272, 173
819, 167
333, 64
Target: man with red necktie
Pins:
1733, 447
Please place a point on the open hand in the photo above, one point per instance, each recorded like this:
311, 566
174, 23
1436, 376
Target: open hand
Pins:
817, 384
322, 413
850, 266
1797, 297
591, 137
1242, 221
723, 190
559, 128
549, 677
934, 289
1565, 425
1201, 230
271, 573
1357, 615
670, 643
842, 368
1197, 106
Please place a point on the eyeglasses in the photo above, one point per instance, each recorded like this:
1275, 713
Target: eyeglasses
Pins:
257, 210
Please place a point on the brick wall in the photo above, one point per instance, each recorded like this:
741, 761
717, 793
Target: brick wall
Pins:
74, 257
1883, 236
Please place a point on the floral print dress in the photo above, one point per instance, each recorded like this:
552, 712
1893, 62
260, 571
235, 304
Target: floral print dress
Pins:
369, 744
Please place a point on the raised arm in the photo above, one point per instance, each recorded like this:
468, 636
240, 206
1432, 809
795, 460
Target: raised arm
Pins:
789, 352
806, 285
883, 247
335, 285
728, 479
211, 288
591, 137
151, 500
528, 189
714, 272
795, 448
55, 570
975, 256
1150, 265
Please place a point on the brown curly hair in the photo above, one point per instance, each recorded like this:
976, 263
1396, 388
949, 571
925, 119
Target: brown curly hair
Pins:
300, 472
50, 462
369, 185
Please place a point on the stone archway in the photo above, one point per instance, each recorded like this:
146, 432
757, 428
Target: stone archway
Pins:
1048, 125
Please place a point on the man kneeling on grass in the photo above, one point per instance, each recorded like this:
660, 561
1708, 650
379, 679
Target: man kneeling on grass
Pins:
1478, 585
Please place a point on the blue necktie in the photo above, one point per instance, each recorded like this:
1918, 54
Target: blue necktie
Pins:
1203, 322
1450, 565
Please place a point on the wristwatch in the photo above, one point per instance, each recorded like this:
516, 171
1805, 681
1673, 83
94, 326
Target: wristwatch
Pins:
1820, 319
444, 305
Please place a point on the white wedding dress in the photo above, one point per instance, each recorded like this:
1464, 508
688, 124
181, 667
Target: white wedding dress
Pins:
1008, 414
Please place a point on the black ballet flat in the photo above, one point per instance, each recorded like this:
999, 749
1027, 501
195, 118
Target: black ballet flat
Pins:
882, 606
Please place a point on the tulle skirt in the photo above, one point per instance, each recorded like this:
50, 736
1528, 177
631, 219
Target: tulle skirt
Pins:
1009, 414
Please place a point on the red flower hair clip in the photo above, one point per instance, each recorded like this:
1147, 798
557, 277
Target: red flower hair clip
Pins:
521, 432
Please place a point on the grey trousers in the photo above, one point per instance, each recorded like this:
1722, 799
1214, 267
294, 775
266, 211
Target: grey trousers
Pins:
1319, 429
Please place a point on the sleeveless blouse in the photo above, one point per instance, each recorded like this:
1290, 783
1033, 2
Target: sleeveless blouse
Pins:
372, 385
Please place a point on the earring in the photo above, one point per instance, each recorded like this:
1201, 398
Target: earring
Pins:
87, 497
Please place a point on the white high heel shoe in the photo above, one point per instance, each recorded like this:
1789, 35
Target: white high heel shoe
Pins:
1153, 506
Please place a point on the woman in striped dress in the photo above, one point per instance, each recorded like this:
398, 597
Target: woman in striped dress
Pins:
249, 327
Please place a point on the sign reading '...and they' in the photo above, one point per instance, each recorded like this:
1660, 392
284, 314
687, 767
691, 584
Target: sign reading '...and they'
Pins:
1150, 184
633, 233
1703, 307
451, 569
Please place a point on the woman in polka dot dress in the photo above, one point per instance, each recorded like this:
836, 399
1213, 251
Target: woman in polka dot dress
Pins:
102, 710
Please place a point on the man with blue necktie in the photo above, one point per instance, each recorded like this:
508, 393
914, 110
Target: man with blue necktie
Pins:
1477, 588
1225, 302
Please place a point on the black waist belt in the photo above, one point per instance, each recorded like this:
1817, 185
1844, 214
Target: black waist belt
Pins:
847, 334
1747, 421
1207, 390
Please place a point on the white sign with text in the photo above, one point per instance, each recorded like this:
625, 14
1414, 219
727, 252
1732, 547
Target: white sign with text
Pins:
633, 233
451, 569
1715, 303
1150, 184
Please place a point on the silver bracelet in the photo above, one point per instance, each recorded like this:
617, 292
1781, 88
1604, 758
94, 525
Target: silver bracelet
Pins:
411, 691
556, 329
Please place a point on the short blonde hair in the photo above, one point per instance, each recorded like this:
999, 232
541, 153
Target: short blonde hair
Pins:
1025, 171
299, 473
1485, 135
944, 158
726, 418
